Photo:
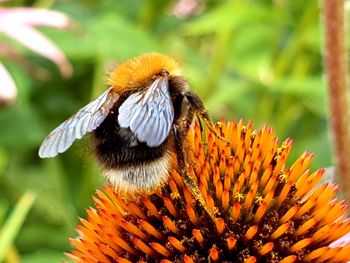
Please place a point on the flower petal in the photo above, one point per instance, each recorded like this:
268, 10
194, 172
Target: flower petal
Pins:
341, 241
8, 91
33, 17
40, 44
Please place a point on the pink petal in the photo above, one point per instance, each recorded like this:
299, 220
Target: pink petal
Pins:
37, 42
8, 91
186, 8
33, 17
341, 241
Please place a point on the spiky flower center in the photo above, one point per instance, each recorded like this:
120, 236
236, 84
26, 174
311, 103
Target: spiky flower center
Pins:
265, 211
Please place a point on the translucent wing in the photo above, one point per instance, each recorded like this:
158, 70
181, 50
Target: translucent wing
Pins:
149, 114
85, 120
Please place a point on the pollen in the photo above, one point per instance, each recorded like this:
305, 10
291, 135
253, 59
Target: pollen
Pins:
137, 73
265, 211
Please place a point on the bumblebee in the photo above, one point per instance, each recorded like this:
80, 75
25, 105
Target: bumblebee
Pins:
138, 124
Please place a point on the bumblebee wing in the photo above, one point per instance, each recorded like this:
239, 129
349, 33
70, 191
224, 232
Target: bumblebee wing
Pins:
149, 114
85, 120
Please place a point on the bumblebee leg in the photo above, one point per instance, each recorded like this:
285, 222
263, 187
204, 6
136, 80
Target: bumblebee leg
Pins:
188, 180
198, 107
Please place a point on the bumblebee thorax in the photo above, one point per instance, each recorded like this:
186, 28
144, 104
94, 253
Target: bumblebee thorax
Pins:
139, 72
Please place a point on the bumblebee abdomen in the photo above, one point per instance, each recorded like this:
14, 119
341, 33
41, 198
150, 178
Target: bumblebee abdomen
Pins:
143, 177
119, 148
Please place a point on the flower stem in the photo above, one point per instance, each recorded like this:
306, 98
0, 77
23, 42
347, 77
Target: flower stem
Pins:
336, 73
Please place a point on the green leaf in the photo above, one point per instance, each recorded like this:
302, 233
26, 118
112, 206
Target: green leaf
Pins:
44, 256
13, 224
232, 14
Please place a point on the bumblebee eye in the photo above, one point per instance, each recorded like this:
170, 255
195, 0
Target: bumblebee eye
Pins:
149, 113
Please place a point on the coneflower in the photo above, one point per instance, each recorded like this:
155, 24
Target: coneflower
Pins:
265, 211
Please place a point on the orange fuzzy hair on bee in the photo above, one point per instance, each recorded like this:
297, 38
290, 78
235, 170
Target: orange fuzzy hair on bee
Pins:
138, 72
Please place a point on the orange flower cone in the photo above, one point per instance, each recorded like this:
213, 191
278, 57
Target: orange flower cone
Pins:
265, 211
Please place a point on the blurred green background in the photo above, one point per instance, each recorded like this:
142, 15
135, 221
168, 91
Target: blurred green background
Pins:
258, 60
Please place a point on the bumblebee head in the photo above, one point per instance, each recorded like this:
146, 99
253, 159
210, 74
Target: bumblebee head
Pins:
139, 72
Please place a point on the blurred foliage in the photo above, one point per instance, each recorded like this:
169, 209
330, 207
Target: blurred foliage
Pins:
258, 60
